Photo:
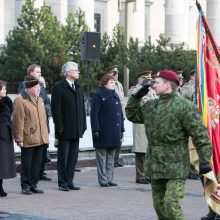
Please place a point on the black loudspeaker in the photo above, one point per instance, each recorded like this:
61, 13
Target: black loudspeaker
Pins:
90, 46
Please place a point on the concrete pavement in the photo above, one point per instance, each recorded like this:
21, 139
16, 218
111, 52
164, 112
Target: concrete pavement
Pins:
127, 201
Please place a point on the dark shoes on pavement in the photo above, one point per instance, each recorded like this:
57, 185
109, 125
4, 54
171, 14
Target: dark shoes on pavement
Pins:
36, 190
26, 191
77, 170
64, 188
143, 181
193, 177
104, 185
3, 193
112, 184
44, 177
210, 216
117, 164
68, 188
108, 184
74, 187
31, 190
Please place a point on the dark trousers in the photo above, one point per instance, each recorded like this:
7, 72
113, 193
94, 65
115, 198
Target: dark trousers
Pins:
31, 158
44, 159
67, 156
117, 153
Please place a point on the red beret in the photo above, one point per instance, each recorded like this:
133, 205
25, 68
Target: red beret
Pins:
169, 75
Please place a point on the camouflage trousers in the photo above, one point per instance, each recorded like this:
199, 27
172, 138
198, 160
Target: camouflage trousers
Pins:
141, 172
167, 195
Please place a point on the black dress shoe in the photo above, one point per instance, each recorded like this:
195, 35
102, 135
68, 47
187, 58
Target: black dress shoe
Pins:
44, 177
36, 190
77, 170
104, 185
117, 164
143, 181
210, 216
193, 177
217, 217
3, 193
64, 188
112, 184
74, 187
26, 191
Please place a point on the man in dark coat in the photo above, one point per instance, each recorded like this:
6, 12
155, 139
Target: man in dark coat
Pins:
35, 71
68, 110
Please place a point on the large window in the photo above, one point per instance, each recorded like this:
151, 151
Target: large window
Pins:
97, 22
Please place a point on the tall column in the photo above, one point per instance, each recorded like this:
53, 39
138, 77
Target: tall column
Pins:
112, 15
147, 19
7, 18
2, 20
136, 20
38, 3
177, 20
213, 17
59, 9
87, 6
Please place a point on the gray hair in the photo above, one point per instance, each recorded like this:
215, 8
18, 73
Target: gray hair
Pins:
68, 66
32, 67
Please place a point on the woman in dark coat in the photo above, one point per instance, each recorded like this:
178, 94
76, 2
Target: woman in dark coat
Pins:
7, 161
107, 127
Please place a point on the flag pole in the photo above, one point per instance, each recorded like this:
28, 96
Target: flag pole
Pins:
208, 31
199, 6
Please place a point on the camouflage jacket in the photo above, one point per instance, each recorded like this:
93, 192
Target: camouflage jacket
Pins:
188, 90
169, 121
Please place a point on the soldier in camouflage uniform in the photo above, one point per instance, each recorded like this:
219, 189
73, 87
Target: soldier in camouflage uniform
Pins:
169, 121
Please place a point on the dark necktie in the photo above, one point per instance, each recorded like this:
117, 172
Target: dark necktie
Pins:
73, 87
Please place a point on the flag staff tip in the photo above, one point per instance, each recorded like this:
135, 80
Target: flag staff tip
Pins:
198, 6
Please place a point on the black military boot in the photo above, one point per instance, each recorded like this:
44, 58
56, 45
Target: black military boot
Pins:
210, 216
217, 217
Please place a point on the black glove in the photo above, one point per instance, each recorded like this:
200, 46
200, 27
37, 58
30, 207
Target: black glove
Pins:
204, 168
142, 91
95, 135
59, 134
122, 135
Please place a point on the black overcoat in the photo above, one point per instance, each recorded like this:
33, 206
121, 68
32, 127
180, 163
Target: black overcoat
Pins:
107, 118
68, 111
7, 157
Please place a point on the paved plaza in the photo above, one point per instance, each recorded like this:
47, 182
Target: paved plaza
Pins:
127, 201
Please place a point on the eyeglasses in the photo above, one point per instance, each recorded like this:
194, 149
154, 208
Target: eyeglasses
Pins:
75, 70
115, 72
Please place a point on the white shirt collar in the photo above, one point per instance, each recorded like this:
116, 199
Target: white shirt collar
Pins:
70, 82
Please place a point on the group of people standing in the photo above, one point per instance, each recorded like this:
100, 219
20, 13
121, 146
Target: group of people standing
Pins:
154, 107
27, 120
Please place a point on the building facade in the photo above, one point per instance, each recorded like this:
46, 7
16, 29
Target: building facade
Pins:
140, 18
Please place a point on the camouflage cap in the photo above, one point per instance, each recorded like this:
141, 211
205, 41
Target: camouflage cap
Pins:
147, 74
112, 69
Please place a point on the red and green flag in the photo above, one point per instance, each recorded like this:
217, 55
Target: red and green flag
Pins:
208, 99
